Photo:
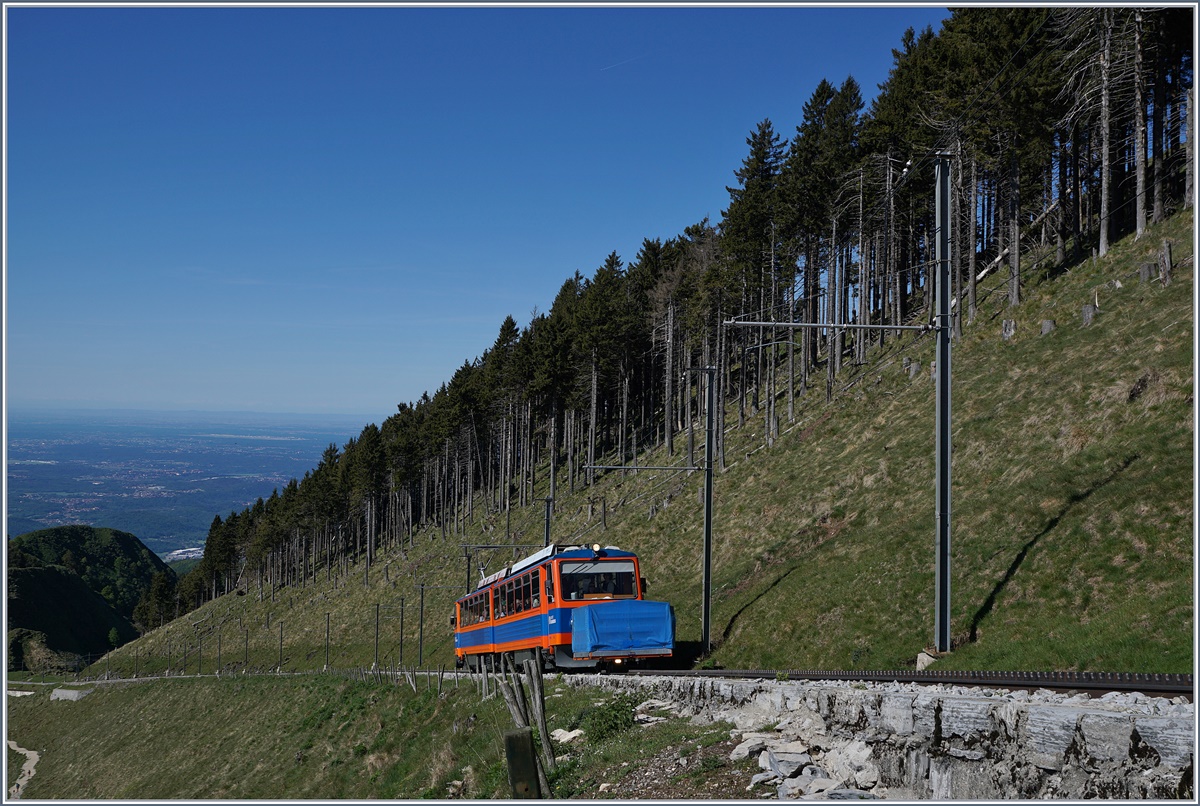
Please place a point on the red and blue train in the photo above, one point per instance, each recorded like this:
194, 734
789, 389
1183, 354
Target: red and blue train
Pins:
582, 607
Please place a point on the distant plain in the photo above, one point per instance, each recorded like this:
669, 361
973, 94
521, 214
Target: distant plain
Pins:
161, 476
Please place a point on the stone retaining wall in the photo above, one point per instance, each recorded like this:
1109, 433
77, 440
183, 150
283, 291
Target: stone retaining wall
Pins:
950, 742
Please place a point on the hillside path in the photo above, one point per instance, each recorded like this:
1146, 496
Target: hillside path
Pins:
31, 760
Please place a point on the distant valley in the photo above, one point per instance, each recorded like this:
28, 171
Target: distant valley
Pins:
162, 476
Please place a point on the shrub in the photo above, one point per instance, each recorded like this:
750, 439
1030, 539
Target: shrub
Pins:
613, 717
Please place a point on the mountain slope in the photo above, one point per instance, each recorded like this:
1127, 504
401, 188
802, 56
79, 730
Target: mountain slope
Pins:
70, 587
113, 563
69, 616
1072, 511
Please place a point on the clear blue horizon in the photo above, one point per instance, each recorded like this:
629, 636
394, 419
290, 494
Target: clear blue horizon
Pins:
329, 210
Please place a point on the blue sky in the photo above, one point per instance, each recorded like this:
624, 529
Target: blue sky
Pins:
330, 209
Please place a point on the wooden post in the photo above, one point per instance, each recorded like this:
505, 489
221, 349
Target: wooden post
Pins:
537, 702
523, 775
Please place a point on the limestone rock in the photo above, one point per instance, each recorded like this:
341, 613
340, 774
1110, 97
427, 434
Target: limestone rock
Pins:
850, 794
762, 778
565, 736
782, 763
1049, 731
748, 747
1106, 737
1172, 739
965, 717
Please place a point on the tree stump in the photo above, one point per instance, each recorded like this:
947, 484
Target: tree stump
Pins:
1089, 313
1048, 326
1008, 329
1145, 272
1165, 263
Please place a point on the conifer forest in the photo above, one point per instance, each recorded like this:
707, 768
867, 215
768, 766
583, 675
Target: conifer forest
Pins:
1066, 128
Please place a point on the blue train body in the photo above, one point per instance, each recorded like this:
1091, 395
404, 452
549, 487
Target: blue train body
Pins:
576, 607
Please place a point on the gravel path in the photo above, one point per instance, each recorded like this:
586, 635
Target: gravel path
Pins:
31, 760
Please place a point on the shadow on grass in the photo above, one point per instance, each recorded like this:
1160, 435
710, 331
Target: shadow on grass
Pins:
734, 618
1075, 498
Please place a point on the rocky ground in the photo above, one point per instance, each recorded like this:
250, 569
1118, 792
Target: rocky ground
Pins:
743, 765
755, 740
687, 772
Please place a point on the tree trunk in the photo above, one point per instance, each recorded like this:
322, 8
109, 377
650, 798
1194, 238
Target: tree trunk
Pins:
591, 474
1105, 133
972, 300
1139, 122
1189, 179
669, 375
1014, 252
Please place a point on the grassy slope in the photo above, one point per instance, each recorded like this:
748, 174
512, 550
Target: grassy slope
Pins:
1072, 549
314, 737
1072, 504
61, 606
1072, 511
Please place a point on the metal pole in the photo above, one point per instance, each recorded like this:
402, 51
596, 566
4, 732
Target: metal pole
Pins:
280, 670
467, 553
327, 642
708, 506
400, 663
421, 632
375, 665
199, 654
706, 579
218, 653
549, 504
942, 413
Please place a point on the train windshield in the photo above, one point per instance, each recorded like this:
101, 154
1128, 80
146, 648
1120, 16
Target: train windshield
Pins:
599, 579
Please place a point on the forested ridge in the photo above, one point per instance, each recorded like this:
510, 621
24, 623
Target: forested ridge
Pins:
1066, 129
78, 590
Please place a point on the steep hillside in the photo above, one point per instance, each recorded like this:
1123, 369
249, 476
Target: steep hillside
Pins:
52, 608
113, 563
1072, 511
69, 588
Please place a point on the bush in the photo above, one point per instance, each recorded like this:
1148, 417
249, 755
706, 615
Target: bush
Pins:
613, 717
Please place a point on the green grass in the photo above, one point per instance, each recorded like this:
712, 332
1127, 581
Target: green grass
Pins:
257, 737
1072, 512
1072, 549
316, 737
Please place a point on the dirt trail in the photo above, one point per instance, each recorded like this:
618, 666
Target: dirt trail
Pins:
31, 760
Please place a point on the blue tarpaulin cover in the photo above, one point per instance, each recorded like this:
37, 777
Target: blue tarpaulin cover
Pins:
623, 626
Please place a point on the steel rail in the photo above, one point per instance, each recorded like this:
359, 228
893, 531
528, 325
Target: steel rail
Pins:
1087, 682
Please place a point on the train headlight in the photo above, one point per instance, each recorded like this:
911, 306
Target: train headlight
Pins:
596, 547
617, 661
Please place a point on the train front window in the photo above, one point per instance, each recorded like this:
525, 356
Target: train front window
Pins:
599, 579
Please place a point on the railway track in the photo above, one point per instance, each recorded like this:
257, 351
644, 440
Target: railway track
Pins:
1091, 683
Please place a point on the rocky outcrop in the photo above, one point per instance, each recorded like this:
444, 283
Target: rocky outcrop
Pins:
833, 740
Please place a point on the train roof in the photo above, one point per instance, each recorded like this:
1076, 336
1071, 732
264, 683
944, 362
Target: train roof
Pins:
553, 551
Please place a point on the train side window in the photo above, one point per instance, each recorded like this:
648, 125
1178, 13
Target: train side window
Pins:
549, 586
